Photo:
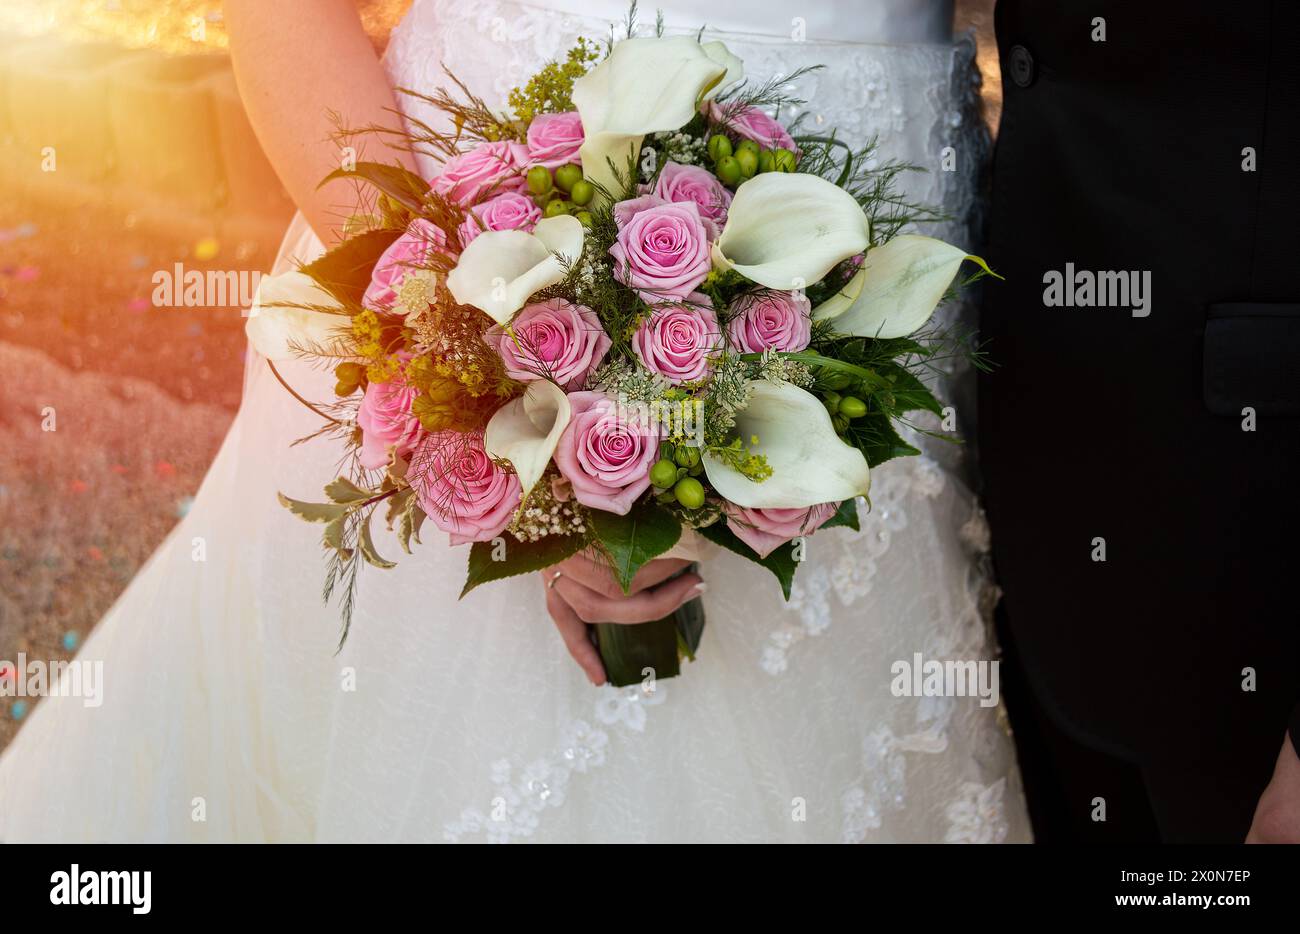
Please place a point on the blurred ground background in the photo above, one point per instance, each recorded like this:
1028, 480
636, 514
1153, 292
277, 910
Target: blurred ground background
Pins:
139, 396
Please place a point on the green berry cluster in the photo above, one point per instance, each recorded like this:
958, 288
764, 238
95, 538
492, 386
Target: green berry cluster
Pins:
675, 473
842, 408
351, 377
746, 159
563, 191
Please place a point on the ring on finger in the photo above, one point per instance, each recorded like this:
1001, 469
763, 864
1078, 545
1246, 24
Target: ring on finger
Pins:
550, 584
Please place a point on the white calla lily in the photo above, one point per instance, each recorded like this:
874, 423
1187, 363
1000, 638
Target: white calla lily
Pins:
787, 230
645, 85
280, 320
897, 289
501, 269
735, 66
526, 430
810, 463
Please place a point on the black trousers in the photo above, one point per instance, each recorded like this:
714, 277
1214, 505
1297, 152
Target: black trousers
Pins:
1065, 778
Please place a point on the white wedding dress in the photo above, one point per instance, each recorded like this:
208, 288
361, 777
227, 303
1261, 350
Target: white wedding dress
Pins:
227, 714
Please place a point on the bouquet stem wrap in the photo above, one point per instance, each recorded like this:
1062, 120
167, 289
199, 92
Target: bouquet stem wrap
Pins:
636, 653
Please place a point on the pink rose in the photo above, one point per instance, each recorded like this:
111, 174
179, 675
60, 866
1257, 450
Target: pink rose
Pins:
461, 489
675, 341
408, 252
605, 454
771, 320
692, 183
553, 339
751, 123
554, 139
765, 530
509, 211
386, 422
488, 167
662, 248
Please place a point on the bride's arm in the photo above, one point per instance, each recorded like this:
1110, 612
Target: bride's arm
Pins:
295, 61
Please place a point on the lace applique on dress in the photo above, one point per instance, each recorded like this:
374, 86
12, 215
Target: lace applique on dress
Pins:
850, 572
627, 706
522, 793
883, 786
978, 814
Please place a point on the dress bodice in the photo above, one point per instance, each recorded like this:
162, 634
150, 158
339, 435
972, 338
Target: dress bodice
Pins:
920, 98
875, 21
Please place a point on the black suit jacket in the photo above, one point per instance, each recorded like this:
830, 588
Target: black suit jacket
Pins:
1100, 428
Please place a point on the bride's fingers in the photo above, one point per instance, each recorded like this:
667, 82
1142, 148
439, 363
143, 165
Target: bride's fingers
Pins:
597, 576
646, 606
587, 572
576, 638
655, 572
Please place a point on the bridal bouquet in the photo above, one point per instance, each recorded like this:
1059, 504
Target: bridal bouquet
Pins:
631, 312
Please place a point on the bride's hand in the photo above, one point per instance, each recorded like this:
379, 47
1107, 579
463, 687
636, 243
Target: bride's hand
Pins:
581, 591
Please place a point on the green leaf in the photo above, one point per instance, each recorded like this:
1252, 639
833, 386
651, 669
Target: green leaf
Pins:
894, 347
909, 392
871, 351
344, 271
812, 358
344, 490
312, 512
846, 515
418, 516
367, 547
847, 171
409, 528
519, 558
780, 562
398, 504
404, 187
690, 625
626, 652
875, 437
392, 214
334, 533
630, 541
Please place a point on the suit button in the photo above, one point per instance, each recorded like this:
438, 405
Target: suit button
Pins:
1020, 64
